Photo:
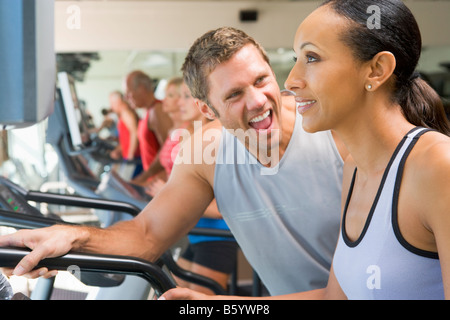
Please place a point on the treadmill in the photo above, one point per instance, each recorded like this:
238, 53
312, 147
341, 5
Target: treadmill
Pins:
16, 212
27, 96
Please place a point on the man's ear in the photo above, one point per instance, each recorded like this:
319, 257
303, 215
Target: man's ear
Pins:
382, 67
205, 109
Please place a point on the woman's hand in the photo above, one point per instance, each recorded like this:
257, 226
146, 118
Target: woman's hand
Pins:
186, 294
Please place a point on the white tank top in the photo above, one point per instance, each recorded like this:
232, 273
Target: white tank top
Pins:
286, 219
380, 264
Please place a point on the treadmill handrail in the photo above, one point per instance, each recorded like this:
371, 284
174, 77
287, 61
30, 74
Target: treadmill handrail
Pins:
25, 221
98, 203
19, 220
10, 257
198, 279
211, 232
84, 202
72, 200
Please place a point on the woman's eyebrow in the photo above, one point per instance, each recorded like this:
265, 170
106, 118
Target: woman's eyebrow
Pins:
304, 44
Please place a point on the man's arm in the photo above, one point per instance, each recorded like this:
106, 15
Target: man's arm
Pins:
168, 217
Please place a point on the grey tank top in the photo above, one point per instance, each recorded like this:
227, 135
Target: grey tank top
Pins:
381, 264
286, 219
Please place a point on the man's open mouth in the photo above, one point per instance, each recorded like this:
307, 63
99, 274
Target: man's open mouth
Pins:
262, 122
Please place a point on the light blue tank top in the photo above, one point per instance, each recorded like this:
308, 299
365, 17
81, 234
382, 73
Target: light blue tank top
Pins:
285, 219
380, 264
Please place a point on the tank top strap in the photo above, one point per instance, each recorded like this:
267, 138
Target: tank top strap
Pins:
387, 185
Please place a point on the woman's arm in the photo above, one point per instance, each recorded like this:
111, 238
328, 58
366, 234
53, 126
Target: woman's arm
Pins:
434, 194
331, 292
131, 122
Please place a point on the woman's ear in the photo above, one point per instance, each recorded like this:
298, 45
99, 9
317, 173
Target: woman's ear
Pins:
205, 109
382, 67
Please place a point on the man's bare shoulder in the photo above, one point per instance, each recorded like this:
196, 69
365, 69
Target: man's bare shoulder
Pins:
198, 151
208, 133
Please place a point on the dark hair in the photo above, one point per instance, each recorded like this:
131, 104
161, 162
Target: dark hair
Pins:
139, 78
398, 33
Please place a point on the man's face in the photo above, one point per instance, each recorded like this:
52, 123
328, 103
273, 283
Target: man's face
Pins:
135, 95
246, 96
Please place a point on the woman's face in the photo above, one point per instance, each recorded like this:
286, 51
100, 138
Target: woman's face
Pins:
327, 79
188, 108
170, 102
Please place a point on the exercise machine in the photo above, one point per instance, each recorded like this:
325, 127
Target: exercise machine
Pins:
159, 281
16, 212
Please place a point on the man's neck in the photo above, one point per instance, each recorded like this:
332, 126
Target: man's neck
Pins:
151, 102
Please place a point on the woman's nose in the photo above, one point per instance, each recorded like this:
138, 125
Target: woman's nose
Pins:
295, 80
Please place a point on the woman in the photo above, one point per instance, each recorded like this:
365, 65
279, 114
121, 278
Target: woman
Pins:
161, 166
360, 83
127, 126
394, 241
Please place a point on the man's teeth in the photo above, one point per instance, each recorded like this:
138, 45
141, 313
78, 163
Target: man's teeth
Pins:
302, 104
261, 117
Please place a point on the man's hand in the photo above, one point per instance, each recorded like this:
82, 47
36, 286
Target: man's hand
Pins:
48, 242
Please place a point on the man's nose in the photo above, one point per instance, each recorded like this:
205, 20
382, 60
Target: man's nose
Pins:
256, 98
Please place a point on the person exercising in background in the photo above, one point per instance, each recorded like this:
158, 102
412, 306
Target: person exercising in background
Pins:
161, 166
281, 204
211, 256
155, 125
127, 126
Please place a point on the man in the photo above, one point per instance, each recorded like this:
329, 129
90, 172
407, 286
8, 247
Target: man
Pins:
284, 214
155, 125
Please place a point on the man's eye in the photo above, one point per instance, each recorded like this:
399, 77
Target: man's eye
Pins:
233, 95
260, 80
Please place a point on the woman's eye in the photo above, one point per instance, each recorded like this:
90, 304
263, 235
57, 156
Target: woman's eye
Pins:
311, 58
294, 58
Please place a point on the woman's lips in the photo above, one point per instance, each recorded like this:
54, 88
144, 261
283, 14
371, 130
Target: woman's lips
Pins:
303, 105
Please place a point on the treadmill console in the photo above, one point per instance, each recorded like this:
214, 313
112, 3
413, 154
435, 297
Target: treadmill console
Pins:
11, 199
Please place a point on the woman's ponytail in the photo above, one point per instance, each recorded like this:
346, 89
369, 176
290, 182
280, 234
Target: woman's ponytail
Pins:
422, 106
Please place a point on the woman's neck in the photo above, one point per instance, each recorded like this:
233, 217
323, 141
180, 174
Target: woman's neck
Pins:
372, 139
